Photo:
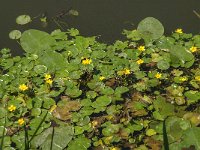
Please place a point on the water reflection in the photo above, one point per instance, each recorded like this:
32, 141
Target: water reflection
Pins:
98, 17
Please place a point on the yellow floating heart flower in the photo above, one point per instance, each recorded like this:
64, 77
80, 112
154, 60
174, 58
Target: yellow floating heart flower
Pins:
140, 61
21, 121
12, 108
180, 31
183, 79
127, 72
197, 78
101, 78
193, 49
23, 87
94, 123
47, 76
86, 61
141, 48
158, 75
49, 81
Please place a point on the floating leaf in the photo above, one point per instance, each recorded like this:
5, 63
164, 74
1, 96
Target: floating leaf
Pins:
151, 26
23, 19
101, 101
163, 65
81, 143
73, 12
44, 140
15, 34
35, 41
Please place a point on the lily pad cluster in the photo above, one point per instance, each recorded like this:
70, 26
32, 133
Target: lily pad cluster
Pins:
73, 92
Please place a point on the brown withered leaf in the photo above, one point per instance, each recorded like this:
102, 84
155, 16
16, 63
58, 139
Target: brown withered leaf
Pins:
63, 112
153, 144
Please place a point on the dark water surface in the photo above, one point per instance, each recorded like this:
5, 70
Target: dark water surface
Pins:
99, 17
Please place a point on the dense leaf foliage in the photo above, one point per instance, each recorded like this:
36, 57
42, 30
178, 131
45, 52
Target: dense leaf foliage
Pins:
72, 92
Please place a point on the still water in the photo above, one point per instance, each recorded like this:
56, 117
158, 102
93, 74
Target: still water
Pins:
106, 18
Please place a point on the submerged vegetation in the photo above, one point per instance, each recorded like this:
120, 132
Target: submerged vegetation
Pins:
73, 92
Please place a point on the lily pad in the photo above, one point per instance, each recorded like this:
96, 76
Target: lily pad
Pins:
23, 19
15, 34
151, 26
35, 41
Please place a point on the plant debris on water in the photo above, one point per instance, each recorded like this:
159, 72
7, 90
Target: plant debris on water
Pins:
75, 93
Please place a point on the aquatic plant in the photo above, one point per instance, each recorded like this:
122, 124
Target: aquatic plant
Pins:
73, 92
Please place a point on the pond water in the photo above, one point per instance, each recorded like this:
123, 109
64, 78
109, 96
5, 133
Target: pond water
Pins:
106, 18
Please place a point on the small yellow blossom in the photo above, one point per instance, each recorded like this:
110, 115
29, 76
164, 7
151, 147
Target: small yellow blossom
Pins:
23, 87
197, 78
127, 71
101, 78
115, 148
193, 49
94, 123
183, 79
12, 108
21, 121
158, 75
140, 61
86, 61
180, 31
141, 48
49, 81
47, 76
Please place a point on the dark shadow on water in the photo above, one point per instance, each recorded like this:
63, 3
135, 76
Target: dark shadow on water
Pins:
106, 18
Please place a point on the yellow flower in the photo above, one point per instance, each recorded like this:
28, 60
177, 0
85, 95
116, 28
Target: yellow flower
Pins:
12, 108
47, 76
21, 121
127, 71
197, 78
49, 81
193, 49
23, 87
183, 79
158, 75
141, 48
86, 61
101, 78
115, 148
179, 31
94, 123
140, 61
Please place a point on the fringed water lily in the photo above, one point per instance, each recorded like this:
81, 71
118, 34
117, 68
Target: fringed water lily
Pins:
21, 121
193, 49
86, 61
158, 75
141, 48
12, 108
23, 87
140, 61
179, 30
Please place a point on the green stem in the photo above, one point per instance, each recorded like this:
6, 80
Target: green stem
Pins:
38, 127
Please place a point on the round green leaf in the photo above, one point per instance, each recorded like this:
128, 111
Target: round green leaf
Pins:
15, 34
163, 65
39, 69
23, 19
151, 26
35, 41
